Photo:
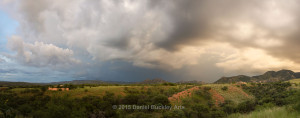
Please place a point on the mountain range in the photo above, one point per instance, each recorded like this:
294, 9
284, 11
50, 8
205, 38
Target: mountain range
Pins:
190, 82
270, 76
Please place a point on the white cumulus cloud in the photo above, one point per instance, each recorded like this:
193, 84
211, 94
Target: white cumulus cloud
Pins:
41, 54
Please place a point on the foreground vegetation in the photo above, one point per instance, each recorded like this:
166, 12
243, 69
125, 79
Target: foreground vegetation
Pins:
273, 112
199, 101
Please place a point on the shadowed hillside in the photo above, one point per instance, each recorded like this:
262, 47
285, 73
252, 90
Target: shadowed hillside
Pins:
270, 76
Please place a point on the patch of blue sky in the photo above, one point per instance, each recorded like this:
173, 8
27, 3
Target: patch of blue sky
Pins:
7, 28
12, 71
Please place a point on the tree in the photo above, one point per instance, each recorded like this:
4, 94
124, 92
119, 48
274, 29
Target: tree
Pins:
161, 99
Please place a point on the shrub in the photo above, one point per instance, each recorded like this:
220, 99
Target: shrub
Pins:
246, 106
44, 88
264, 106
228, 107
225, 88
206, 88
25, 109
217, 114
276, 93
202, 110
161, 99
130, 99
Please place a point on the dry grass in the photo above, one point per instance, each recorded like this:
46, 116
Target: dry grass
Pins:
295, 81
176, 98
235, 94
100, 90
86, 91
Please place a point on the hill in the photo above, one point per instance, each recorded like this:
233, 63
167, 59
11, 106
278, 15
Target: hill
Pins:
234, 79
79, 82
5, 83
190, 82
153, 81
270, 76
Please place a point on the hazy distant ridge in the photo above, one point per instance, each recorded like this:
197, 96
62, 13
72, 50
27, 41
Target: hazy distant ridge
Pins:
270, 76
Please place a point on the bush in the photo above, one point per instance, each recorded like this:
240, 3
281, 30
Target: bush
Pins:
246, 106
206, 88
44, 88
276, 93
296, 101
161, 99
130, 99
25, 109
228, 107
217, 114
225, 88
201, 110
264, 106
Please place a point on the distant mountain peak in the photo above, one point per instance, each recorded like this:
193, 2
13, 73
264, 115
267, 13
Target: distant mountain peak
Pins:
269, 76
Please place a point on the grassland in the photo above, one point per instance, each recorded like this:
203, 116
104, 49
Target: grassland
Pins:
86, 91
295, 81
95, 91
275, 112
234, 93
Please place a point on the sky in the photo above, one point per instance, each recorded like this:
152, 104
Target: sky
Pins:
134, 40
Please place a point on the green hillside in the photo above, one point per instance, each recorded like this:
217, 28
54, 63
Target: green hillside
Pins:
295, 80
233, 93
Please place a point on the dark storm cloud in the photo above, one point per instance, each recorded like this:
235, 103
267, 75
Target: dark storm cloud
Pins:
195, 21
34, 8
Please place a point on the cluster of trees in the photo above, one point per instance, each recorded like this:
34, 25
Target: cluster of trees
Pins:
276, 93
33, 102
39, 105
